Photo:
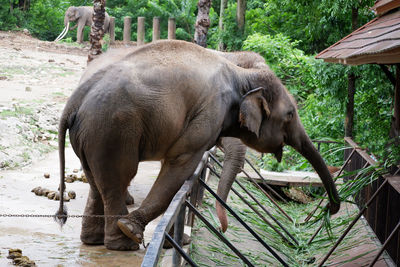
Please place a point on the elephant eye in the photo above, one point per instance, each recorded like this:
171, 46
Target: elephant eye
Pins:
289, 115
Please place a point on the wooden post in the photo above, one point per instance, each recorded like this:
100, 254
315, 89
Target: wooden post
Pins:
156, 29
127, 30
140, 30
112, 30
171, 28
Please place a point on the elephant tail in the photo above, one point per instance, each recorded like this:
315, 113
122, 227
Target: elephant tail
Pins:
61, 215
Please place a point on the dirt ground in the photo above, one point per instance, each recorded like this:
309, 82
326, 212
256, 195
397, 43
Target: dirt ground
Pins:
36, 79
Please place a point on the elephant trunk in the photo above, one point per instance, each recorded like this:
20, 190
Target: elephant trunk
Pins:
235, 152
306, 148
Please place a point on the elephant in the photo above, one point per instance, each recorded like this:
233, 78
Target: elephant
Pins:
82, 15
234, 149
169, 101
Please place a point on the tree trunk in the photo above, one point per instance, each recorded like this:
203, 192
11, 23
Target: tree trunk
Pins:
240, 14
395, 127
221, 46
349, 122
97, 32
351, 87
202, 22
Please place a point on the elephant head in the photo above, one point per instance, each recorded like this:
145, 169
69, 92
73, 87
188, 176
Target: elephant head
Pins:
72, 14
268, 121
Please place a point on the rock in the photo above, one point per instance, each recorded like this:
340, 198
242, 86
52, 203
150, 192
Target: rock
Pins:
52, 60
45, 192
46, 175
39, 192
3, 77
75, 171
28, 89
57, 196
67, 198
14, 253
72, 194
18, 260
83, 178
51, 194
35, 189
26, 31
69, 180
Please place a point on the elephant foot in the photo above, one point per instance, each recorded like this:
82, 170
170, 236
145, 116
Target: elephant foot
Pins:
122, 244
131, 228
92, 239
186, 240
129, 199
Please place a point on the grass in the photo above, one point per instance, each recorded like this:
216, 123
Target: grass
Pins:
16, 112
207, 250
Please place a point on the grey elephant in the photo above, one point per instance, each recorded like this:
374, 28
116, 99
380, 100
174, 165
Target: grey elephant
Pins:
234, 149
169, 101
82, 15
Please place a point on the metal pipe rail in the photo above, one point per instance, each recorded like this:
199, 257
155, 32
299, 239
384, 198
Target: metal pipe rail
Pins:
175, 214
154, 249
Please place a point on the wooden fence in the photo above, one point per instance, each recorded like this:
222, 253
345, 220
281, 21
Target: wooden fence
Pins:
383, 214
141, 30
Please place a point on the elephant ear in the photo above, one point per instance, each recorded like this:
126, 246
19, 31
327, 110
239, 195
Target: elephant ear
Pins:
251, 110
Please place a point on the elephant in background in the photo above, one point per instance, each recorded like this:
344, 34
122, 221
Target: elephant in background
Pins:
82, 15
169, 101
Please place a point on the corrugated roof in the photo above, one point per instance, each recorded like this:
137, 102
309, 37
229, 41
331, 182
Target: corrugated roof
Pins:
378, 41
382, 6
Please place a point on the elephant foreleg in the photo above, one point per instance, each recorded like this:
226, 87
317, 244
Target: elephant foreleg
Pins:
79, 33
171, 177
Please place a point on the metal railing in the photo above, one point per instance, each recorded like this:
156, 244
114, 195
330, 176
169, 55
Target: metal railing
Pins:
191, 194
188, 197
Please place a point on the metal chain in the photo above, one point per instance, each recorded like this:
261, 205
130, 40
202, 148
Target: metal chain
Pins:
61, 216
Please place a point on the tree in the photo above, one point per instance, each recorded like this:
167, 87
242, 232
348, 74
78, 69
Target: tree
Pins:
202, 22
240, 14
221, 45
97, 31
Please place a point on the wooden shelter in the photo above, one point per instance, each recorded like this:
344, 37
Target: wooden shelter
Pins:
377, 42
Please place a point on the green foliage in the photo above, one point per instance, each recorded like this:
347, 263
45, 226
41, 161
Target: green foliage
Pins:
287, 33
230, 36
45, 19
295, 69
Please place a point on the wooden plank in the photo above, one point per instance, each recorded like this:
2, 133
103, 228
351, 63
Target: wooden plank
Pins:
394, 181
360, 151
289, 178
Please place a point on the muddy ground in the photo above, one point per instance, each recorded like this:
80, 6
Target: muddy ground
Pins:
36, 79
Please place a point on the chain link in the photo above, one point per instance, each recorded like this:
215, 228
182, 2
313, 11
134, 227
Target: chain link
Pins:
60, 216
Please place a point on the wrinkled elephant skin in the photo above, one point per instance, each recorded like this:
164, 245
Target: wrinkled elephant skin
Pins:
168, 101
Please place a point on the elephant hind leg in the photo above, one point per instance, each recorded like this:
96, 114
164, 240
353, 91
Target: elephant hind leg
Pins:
112, 178
92, 232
